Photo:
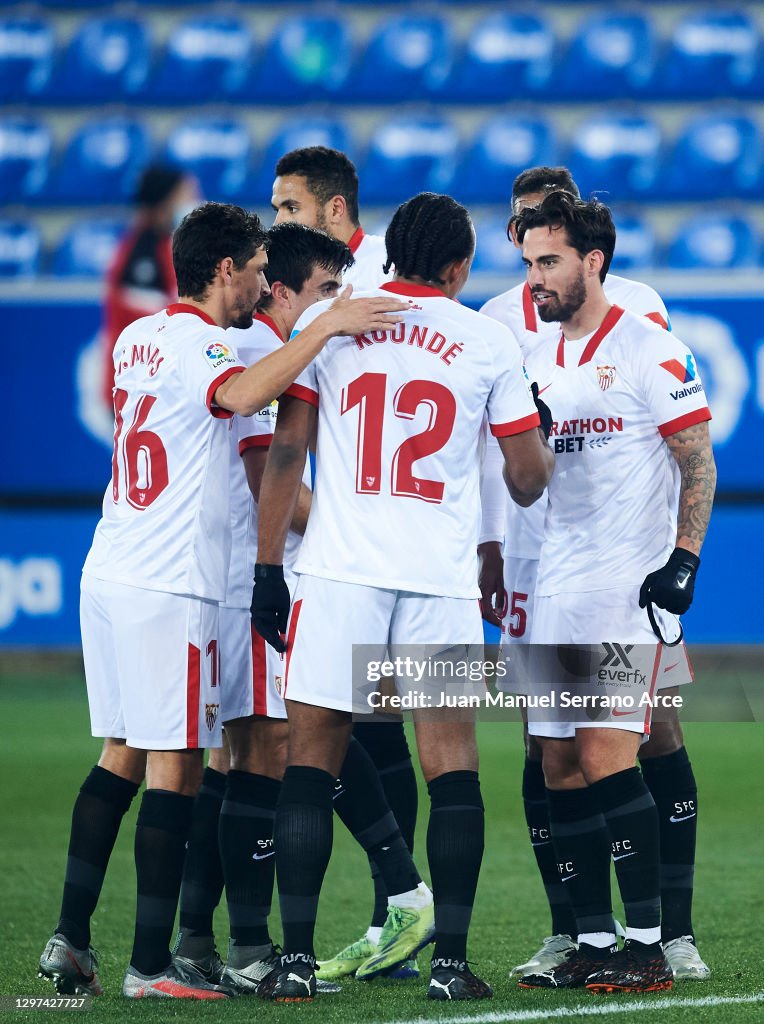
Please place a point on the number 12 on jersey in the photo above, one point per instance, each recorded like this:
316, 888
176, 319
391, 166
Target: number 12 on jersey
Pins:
369, 393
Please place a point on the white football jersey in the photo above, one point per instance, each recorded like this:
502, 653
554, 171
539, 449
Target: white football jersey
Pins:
613, 496
252, 344
396, 503
523, 528
370, 256
165, 523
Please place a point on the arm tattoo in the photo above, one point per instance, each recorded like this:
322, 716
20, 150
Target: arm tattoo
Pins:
692, 450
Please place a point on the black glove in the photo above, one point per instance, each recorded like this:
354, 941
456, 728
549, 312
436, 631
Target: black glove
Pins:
545, 413
672, 587
270, 604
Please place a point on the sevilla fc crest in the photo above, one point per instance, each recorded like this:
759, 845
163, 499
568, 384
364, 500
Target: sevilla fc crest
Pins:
211, 715
606, 376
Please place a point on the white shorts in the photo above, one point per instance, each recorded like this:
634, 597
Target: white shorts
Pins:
152, 666
329, 619
623, 662
252, 672
520, 585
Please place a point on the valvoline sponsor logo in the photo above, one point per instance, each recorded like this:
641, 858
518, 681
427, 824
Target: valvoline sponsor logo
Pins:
684, 372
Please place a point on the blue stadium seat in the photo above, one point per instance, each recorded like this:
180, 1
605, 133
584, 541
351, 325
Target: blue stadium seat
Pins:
408, 56
19, 249
207, 59
307, 58
87, 249
407, 155
102, 162
612, 55
506, 56
295, 134
716, 156
617, 154
107, 60
719, 242
713, 53
494, 252
217, 151
25, 147
503, 147
636, 244
26, 57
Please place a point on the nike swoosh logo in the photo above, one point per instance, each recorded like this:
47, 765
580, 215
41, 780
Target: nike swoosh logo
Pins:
545, 843
669, 667
567, 878
545, 388
263, 856
686, 817
622, 856
622, 714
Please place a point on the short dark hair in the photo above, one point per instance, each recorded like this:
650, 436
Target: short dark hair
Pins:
294, 252
542, 179
208, 235
588, 224
156, 183
426, 234
327, 172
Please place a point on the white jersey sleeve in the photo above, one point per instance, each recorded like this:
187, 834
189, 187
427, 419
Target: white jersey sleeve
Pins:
511, 408
673, 390
209, 363
493, 491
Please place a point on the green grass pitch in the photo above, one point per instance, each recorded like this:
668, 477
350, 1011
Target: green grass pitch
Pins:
46, 752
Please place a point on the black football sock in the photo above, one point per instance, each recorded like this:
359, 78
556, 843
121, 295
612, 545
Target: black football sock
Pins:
164, 825
249, 861
386, 745
360, 802
671, 781
302, 838
582, 848
632, 822
202, 884
455, 840
98, 812
537, 820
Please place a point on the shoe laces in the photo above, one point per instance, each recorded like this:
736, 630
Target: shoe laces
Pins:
356, 949
397, 918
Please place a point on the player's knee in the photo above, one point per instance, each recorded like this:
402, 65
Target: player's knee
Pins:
119, 759
666, 737
561, 767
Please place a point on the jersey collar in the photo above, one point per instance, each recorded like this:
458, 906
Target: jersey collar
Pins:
184, 307
269, 322
355, 240
612, 317
409, 288
529, 310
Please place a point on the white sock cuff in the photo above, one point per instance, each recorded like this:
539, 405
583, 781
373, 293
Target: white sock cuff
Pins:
601, 940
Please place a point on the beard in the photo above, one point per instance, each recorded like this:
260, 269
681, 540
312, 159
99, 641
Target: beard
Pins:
560, 309
243, 319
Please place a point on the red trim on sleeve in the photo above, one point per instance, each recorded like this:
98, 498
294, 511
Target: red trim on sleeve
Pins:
184, 307
217, 412
422, 291
259, 674
657, 318
291, 631
612, 317
515, 426
688, 420
192, 697
355, 240
529, 310
263, 318
303, 393
256, 441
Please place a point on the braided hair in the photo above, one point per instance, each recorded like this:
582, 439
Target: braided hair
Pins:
426, 234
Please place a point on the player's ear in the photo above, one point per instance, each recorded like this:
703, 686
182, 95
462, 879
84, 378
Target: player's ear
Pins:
337, 209
226, 269
594, 261
281, 294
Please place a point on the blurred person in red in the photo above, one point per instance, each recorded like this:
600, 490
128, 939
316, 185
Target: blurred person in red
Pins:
141, 278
